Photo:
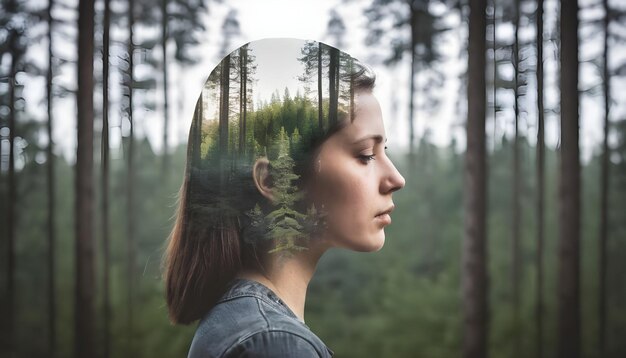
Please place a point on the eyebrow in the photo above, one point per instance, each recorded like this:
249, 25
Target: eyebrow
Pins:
377, 137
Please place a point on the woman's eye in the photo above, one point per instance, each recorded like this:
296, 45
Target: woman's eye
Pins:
367, 158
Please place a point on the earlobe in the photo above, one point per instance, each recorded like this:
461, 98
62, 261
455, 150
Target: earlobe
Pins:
261, 176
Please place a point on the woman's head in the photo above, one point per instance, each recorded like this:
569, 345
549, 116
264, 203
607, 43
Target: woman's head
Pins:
356, 180
273, 167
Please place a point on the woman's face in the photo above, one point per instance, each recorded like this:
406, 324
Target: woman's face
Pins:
356, 180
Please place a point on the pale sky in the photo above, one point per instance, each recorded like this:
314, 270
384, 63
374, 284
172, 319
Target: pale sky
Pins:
273, 76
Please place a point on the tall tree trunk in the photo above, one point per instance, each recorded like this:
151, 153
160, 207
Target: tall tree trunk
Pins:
11, 210
224, 105
243, 55
51, 201
245, 99
195, 137
474, 259
320, 111
516, 212
352, 108
180, 97
412, 81
540, 183
569, 189
164, 35
130, 202
84, 316
333, 73
104, 153
495, 75
604, 180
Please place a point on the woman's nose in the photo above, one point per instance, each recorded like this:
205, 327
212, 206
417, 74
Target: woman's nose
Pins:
393, 180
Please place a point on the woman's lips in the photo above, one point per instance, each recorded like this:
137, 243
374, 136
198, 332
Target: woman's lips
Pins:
384, 218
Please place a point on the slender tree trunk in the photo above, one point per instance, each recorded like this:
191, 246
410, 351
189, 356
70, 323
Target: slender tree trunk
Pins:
516, 212
11, 210
474, 260
224, 105
51, 201
352, 108
241, 95
245, 100
604, 193
412, 83
569, 189
333, 73
539, 311
195, 137
104, 153
337, 76
320, 112
130, 203
495, 76
164, 35
84, 317
181, 98
243, 54
4, 238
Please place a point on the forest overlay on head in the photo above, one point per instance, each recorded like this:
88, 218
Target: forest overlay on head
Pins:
277, 99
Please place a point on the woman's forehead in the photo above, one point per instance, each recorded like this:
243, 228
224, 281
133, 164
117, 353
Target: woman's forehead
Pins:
368, 121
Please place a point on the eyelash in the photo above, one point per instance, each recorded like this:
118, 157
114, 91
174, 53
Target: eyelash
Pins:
367, 158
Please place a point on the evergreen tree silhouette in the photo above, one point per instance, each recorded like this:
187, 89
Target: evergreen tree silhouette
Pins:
284, 223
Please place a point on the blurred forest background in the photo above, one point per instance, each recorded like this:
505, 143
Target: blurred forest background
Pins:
501, 244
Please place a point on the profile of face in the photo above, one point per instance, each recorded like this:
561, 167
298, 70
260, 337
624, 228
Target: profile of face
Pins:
307, 167
355, 180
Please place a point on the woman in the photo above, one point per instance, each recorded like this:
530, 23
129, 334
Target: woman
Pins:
271, 184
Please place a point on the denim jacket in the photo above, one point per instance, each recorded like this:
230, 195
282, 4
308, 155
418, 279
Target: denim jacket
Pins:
250, 320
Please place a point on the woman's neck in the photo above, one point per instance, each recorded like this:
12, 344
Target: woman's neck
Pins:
289, 277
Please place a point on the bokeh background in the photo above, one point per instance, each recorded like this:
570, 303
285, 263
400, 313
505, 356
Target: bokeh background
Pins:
96, 100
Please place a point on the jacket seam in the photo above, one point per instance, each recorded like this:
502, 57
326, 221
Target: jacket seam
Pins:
255, 295
267, 322
270, 331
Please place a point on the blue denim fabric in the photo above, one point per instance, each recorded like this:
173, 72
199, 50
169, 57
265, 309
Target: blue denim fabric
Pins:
250, 320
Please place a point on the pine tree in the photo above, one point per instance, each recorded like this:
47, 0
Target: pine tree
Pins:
285, 223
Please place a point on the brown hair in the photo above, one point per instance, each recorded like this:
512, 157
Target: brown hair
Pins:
199, 260
203, 256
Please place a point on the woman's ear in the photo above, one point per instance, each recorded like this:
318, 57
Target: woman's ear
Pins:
261, 176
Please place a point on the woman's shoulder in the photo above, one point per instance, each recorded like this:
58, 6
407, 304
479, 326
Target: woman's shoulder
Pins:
276, 343
248, 319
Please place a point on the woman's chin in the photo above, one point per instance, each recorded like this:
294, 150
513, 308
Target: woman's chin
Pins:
379, 243
363, 242
371, 244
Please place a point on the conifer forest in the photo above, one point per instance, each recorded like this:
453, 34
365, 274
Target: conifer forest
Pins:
504, 116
